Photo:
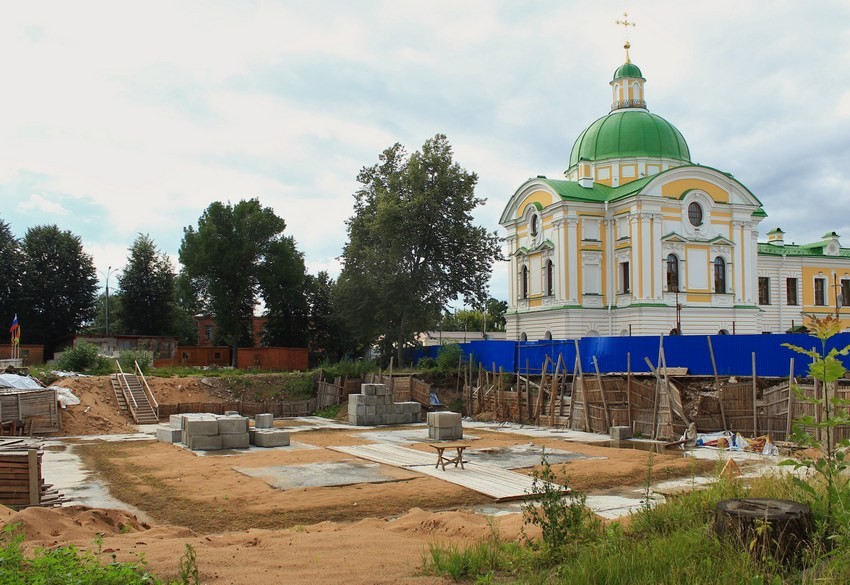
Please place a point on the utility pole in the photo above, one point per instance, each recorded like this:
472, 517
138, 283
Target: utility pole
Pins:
109, 272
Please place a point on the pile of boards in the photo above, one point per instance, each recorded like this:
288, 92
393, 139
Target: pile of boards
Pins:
21, 483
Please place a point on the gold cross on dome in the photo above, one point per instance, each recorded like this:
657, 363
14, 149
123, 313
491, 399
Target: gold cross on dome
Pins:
625, 22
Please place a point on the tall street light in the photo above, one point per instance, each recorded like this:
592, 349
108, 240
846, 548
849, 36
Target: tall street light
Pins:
109, 272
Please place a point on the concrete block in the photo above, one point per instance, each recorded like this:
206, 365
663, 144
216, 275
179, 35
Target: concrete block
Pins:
361, 410
357, 398
371, 410
235, 440
382, 390
620, 433
271, 438
368, 389
175, 421
232, 424
264, 421
169, 435
200, 427
231, 413
445, 433
204, 442
444, 419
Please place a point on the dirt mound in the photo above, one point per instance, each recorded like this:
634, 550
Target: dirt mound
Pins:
98, 412
72, 523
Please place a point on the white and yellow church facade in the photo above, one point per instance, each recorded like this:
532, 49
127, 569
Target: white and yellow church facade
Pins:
639, 240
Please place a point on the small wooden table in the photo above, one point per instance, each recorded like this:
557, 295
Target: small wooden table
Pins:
442, 459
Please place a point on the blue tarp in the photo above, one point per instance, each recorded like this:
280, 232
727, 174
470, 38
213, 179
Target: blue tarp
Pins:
732, 353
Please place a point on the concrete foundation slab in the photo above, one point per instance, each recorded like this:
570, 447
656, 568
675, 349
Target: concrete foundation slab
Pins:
287, 477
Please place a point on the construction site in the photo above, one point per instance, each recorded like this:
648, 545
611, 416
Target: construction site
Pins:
265, 489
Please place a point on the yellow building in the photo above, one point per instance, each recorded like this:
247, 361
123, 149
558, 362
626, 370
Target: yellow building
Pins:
635, 239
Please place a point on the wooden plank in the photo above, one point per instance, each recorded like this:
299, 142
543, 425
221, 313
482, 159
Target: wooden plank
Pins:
35, 477
496, 482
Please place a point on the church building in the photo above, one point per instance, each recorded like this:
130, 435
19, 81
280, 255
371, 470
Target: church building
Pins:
636, 239
639, 240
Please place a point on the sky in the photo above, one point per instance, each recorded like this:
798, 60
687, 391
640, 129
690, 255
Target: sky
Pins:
127, 118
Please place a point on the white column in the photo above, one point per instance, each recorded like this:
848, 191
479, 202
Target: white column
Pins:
573, 259
638, 291
512, 245
560, 268
741, 286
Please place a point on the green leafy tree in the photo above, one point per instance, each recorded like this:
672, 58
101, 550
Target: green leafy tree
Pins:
412, 245
59, 286
147, 291
223, 258
327, 333
282, 281
11, 272
188, 306
494, 311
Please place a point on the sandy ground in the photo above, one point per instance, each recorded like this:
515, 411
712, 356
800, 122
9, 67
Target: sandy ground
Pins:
244, 530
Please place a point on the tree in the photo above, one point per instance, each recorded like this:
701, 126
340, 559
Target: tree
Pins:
282, 281
59, 285
494, 311
147, 291
412, 246
11, 271
223, 258
326, 330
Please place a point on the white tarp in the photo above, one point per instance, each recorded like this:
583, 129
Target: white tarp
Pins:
19, 382
65, 396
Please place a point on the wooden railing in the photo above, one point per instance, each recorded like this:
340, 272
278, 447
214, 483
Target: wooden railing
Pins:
147, 389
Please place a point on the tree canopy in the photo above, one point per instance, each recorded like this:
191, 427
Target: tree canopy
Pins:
231, 257
282, 281
59, 285
412, 245
11, 270
147, 291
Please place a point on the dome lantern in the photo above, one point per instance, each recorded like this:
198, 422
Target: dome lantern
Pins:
627, 85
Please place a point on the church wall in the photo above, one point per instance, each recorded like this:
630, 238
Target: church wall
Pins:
675, 189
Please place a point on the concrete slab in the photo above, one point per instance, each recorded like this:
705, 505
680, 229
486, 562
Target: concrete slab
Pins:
286, 477
235, 441
520, 456
169, 435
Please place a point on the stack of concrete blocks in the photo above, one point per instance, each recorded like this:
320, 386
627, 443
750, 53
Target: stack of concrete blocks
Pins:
264, 434
444, 426
374, 406
207, 432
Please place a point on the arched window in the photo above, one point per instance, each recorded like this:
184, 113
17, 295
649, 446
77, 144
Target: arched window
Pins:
534, 225
524, 284
719, 275
550, 278
548, 336
523, 337
672, 273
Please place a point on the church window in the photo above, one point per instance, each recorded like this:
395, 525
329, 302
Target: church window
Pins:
548, 336
820, 292
550, 278
672, 273
791, 291
534, 225
524, 282
719, 275
524, 336
695, 214
624, 278
845, 292
764, 290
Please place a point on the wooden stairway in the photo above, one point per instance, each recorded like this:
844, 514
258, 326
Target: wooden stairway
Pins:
140, 409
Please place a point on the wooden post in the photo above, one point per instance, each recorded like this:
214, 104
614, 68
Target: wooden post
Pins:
573, 392
538, 406
563, 388
527, 393
34, 476
502, 407
755, 411
790, 401
587, 428
717, 384
602, 392
657, 373
629, 386
553, 393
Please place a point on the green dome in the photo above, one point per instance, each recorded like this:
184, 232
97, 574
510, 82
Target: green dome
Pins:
630, 133
627, 70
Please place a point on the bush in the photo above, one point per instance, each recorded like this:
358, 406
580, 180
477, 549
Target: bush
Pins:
141, 356
347, 368
84, 357
448, 358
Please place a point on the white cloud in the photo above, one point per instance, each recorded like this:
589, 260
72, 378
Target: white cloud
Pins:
39, 204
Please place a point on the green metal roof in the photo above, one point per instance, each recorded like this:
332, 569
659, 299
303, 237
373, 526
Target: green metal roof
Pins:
627, 70
814, 249
572, 191
629, 133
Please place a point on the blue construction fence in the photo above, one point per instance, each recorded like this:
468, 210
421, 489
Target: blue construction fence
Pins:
732, 353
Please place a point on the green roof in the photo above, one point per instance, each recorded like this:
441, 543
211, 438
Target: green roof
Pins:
572, 191
630, 133
814, 249
627, 70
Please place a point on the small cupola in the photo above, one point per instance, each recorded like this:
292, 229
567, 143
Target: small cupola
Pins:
627, 85
776, 237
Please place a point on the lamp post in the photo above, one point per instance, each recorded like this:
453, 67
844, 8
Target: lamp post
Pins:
109, 272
